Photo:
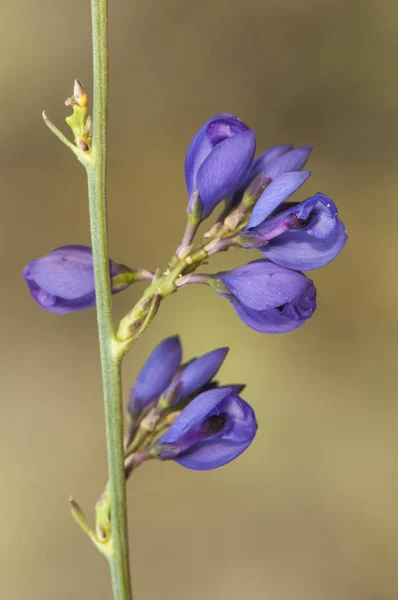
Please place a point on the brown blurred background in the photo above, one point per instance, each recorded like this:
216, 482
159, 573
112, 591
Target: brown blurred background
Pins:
310, 511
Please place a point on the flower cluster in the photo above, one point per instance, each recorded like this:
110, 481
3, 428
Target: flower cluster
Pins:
177, 411
270, 295
210, 425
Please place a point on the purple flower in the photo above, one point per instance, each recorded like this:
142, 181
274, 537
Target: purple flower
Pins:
279, 160
216, 427
63, 280
275, 193
156, 374
196, 374
267, 297
163, 375
306, 236
217, 160
280, 167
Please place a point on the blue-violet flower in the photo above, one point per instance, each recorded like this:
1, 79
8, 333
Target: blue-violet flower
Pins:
267, 297
306, 236
280, 169
217, 160
215, 428
164, 375
63, 280
156, 374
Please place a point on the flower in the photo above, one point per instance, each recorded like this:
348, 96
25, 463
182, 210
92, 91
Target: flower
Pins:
217, 160
208, 425
214, 429
280, 168
164, 376
196, 374
63, 280
306, 236
267, 297
156, 374
302, 236
275, 193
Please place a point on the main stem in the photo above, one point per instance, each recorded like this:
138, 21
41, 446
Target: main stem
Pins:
110, 363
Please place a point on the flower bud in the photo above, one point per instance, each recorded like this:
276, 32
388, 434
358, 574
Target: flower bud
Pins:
275, 193
156, 374
273, 164
195, 375
80, 94
63, 280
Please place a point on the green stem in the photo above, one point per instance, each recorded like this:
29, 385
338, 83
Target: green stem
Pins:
110, 362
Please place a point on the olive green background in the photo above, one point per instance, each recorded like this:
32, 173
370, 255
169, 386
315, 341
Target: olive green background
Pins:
310, 512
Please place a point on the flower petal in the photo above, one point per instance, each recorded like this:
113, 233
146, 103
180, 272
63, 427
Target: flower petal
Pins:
224, 127
156, 374
262, 162
55, 304
294, 160
66, 272
219, 450
193, 415
210, 134
261, 285
275, 194
204, 451
200, 371
259, 164
299, 250
278, 320
224, 168
62, 281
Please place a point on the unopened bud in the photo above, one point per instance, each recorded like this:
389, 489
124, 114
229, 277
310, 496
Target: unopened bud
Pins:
137, 320
80, 94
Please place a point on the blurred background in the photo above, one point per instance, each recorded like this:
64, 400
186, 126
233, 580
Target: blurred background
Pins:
310, 511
